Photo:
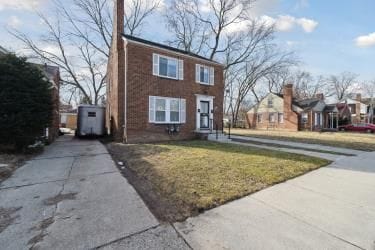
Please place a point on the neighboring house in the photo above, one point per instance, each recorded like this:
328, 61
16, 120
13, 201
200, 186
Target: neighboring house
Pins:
277, 111
370, 102
68, 116
157, 92
357, 108
52, 73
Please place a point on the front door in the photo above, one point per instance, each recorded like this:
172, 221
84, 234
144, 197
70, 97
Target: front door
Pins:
204, 114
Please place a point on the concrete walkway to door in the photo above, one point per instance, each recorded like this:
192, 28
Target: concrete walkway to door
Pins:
73, 197
329, 208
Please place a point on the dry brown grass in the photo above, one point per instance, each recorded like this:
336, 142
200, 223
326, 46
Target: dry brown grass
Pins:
193, 176
358, 141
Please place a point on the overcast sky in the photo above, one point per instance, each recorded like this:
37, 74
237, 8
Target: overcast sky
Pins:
329, 36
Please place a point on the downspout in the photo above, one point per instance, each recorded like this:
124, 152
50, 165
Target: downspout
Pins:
125, 134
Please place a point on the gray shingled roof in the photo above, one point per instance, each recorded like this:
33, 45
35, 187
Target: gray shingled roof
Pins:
163, 46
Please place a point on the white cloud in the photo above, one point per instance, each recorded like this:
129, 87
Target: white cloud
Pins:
20, 4
14, 22
366, 40
285, 23
308, 25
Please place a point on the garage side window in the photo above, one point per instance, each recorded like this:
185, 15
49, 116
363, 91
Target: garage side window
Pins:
91, 114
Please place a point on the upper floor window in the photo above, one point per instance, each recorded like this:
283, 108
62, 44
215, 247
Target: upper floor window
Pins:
168, 67
204, 74
270, 102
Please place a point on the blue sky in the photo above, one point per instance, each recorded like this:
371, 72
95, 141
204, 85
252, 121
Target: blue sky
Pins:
323, 33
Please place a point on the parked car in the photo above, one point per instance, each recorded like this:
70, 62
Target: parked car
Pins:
358, 127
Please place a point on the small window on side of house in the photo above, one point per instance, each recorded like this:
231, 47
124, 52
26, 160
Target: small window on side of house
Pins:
259, 118
270, 102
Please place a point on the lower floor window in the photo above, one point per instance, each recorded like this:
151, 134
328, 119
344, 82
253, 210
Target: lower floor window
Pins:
281, 117
259, 118
304, 117
272, 117
166, 110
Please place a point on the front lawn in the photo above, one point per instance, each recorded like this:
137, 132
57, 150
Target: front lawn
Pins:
359, 141
180, 179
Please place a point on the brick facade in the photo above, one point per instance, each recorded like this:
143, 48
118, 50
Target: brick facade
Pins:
130, 82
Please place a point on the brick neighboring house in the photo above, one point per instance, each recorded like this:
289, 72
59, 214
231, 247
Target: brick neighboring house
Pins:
285, 112
52, 73
156, 92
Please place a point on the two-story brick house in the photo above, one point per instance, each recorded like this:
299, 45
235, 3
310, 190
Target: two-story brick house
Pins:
157, 92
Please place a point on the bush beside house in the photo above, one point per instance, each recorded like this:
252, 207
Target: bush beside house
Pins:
25, 102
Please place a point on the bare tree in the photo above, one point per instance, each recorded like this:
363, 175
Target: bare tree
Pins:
78, 39
261, 65
340, 84
190, 34
136, 12
203, 27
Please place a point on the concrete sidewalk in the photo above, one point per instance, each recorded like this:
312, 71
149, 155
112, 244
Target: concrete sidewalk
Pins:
73, 197
301, 145
329, 208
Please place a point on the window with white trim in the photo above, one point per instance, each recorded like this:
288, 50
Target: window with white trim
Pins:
167, 110
272, 117
281, 117
168, 67
204, 74
259, 118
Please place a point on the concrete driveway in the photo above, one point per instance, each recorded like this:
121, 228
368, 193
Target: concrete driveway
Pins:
73, 197
330, 208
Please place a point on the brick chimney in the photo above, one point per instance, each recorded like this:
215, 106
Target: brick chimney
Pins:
358, 97
288, 97
320, 96
116, 74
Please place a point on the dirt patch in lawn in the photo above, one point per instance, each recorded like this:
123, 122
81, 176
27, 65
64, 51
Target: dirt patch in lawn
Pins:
181, 179
7, 217
58, 198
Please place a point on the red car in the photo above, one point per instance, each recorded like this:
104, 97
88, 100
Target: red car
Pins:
358, 127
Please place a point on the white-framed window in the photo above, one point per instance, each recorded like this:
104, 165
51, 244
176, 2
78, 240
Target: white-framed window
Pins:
166, 110
272, 117
259, 118
204, 74
304, 117
169, 67
281, 117
270, 102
